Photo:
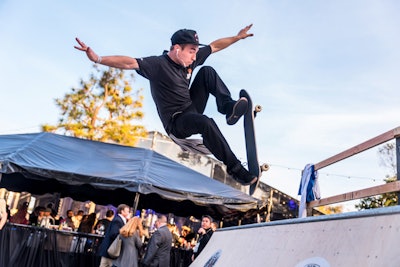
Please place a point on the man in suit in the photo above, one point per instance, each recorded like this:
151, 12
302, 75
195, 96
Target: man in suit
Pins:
111, 233
159, 247
205, 233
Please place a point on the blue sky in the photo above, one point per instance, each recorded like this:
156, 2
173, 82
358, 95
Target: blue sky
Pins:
325, 72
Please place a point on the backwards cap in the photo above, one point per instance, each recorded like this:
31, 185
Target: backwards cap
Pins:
185, 36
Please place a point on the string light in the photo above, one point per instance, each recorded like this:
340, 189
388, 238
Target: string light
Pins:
327, 174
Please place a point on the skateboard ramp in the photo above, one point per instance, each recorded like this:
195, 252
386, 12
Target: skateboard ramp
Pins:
364, 238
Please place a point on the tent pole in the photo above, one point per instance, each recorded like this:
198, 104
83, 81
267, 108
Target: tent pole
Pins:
136, 203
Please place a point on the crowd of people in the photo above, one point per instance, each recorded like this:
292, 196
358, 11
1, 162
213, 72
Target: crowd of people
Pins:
156, 251
47, 217
143, 243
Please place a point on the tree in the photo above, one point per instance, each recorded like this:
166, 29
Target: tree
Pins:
384, 200
330, 209
102, 109
387, 159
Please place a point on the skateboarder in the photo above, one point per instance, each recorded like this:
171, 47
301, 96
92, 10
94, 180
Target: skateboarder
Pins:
180, 105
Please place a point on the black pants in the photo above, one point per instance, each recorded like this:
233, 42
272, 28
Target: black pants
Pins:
192, 121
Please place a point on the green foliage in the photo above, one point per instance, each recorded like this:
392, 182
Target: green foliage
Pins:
104, 108
384, 200
387, 154
331, 209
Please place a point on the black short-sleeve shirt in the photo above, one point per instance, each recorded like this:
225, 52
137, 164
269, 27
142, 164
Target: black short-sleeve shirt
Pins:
169, 82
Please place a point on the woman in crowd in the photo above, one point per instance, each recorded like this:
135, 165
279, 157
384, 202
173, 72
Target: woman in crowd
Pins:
87, 223
21, 217
131, 234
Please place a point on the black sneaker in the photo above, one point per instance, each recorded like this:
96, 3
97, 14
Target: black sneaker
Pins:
240, 174
239, 108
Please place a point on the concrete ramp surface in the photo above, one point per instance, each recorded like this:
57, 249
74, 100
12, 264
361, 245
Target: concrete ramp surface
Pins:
364, 238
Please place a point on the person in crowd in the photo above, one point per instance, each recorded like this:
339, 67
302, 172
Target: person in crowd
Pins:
68, 219
3, 213
175, 234
180, 102
214, 226
47, 219
36, 216
102, 225
87, 223
77, 219
158, 251
123, 214
187, 235
53, 212
21, 216
131, 234
205, 233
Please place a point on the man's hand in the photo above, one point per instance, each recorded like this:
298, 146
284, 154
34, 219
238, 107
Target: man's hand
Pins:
89, 52
223, 43
201, 231
243, 32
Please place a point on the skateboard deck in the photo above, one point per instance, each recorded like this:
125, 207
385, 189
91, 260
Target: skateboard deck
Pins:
253, 165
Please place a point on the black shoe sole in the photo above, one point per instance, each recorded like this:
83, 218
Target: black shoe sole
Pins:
239, 109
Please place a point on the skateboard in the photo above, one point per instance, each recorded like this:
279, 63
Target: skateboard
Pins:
253, 165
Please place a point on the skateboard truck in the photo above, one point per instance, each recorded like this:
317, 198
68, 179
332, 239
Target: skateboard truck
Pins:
257, 109
264, 167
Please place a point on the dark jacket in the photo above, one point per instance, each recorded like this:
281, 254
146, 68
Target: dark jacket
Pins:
159, 248
111, 233
203, 240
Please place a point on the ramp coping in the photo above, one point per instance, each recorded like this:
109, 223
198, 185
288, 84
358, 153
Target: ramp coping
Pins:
348, 215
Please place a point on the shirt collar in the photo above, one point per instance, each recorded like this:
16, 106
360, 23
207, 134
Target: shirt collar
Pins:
123, 218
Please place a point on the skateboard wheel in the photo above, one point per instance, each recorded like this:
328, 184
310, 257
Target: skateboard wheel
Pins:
257, 108
264, 167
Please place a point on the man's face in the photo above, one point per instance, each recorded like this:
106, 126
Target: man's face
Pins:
70, 214
205, 223
126, 213
157, 223
187, 55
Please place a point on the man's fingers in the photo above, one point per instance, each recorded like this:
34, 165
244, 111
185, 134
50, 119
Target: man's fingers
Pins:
82, 44
243, 33
79, 48
79, 41
247, 27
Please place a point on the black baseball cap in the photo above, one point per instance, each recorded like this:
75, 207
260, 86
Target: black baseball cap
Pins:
185, 36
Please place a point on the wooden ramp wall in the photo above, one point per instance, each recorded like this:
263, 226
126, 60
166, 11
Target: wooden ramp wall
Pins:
364, 238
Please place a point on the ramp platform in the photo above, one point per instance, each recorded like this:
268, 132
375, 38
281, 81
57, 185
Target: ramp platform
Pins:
363, 238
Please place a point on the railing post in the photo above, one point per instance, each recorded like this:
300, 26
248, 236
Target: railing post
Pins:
398, 165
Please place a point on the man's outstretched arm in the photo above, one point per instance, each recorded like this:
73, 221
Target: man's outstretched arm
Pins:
120, 62
223, 43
